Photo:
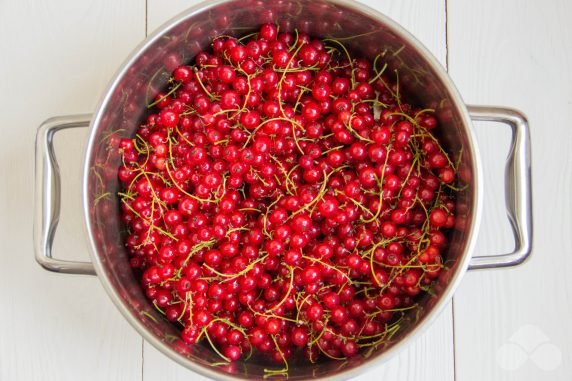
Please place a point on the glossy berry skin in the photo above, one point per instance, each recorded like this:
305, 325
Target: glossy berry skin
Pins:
285, 198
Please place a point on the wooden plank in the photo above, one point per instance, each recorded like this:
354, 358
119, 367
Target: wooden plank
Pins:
56, 59
513, 324
426, 20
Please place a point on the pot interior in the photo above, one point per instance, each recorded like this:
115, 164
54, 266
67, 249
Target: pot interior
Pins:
122, 110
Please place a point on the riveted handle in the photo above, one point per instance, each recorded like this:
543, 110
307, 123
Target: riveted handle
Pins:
48, 196
518, 188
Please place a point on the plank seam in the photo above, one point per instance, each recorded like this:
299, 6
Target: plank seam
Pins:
446, 35
142, 359
454, 339
146, 18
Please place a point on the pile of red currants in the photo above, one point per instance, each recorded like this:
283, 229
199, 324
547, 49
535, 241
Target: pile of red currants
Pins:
284, 197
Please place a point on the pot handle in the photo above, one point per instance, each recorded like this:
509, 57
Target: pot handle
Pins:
518, 188
47, 196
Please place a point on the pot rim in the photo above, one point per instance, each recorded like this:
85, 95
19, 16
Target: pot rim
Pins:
476, 207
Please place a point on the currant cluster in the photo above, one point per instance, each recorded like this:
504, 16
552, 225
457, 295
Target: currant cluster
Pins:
282, 196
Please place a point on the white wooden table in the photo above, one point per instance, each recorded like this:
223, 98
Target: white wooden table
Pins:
56, 58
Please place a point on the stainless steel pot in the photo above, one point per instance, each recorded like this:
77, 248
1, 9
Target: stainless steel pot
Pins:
118, 115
